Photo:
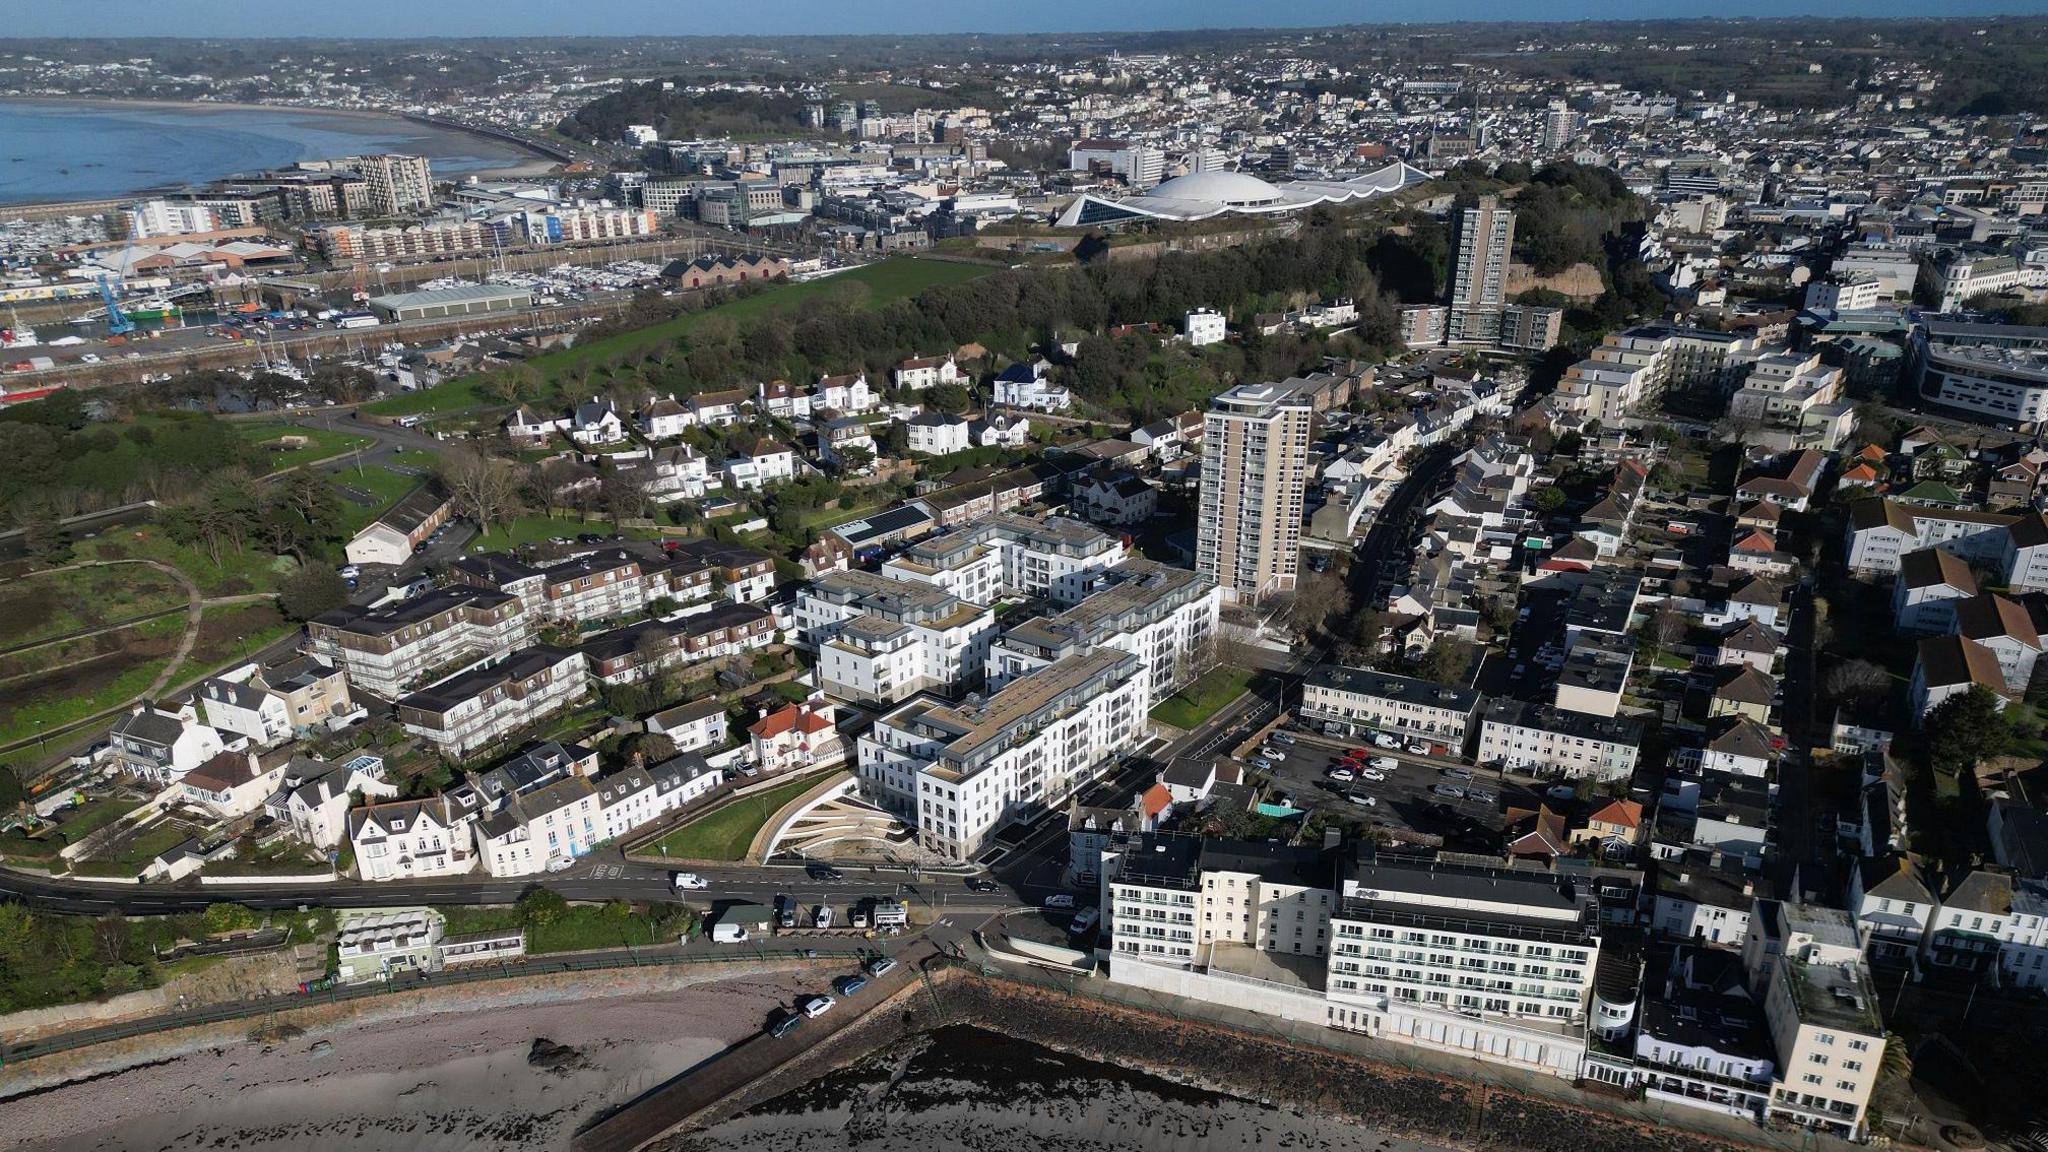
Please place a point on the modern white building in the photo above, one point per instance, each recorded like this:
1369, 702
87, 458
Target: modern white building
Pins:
1552, 741
1881, 531
1355, 701
959, 772
1993, 372
1165, 616
881, 641
472, 710
1204, 326
386, 650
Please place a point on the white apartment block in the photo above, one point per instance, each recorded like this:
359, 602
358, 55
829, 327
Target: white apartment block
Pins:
1011, 554
1881, 531
560, 820
1494, 963
1254, 474
475, 709
386, 650
1556, 742
1166, 617
959, 772
881, 641
1822, 1014
1791, 401
1353, 701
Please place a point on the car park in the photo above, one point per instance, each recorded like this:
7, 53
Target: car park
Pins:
817, 1006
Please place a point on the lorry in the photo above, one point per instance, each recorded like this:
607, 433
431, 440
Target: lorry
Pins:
356, 320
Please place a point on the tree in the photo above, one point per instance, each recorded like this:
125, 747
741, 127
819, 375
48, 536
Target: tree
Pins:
1547, 499
854, 459
223, 918
540, 907
484, 488
43, 534
313, 589
1855, 680
624, 495
1447, 662
1967, 729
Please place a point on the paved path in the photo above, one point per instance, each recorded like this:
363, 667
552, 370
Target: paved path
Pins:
664, 1108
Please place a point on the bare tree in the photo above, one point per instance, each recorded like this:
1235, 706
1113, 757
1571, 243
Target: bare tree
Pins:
482, 486
1855, 679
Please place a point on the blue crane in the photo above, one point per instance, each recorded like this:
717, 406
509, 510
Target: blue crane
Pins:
118, 323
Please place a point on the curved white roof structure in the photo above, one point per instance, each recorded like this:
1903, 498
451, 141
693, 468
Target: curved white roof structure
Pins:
1200, 195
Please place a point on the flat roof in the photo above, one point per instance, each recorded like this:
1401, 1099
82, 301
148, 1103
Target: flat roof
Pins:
460, 294
1388, 686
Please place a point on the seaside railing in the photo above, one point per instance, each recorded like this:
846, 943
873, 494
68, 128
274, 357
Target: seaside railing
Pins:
16, 1052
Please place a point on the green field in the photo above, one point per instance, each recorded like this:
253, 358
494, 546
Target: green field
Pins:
1198, 701
47, 604
725, 834
49, 701
535, 529
321, 444
581, 928
891, 279
249, 570
383, 486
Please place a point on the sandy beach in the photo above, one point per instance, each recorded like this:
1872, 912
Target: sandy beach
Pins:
456, 1081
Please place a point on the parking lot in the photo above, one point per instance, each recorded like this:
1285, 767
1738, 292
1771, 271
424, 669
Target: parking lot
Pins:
1406, 807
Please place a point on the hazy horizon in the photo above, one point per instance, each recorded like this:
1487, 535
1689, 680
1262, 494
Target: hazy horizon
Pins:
378, 19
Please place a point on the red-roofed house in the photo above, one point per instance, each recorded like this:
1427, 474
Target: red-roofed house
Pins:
797, 736
1616, 828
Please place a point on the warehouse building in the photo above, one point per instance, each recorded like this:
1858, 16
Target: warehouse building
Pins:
440, 303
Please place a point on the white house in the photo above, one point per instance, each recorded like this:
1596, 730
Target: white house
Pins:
528, 429
1119, 498
768, 463
1204, 326
410, 839
1949, 666
1931, 581
1739, 746
232, 784
998, 429
927, 372
663, 418
846, 395
162, 746
936, 433
596, 423
692, 726
2004, 629
1026, 385
314, 796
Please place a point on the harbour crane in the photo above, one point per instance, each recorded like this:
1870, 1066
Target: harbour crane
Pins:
118, 323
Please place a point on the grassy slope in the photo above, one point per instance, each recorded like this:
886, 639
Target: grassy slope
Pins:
888, 280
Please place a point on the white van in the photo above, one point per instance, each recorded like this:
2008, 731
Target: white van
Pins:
728, 934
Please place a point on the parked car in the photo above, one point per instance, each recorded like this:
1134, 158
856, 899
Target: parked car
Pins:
1284, 737
1448, 791
1479, 797
784, 1026
1262, 764
850, 985
1384, 740
1060, 900
1372, 774
818, 1005
561, 863
1383, 763
350, 571
1419, 748
1085, 922
879, 967
978, 884
1342, 773
1274, 754
1561, 792
1362, 799
1457, 773
823, 872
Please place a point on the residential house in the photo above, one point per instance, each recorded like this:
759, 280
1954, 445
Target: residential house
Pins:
232, 784
797, 736
596, 423
1949, 666
314, 796
1027, 384
1001, 429
411, 839
2005, 629
927, 372
162, 746
663, 418
936, 433
766, 463
694, 726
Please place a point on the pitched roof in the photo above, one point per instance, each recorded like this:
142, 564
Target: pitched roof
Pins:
1746, 686
1743, 737
1751, 637
1620, 813
1933, 567
1950, 660
1989, 615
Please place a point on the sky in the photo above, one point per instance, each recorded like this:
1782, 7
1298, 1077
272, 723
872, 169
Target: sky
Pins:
693, 17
